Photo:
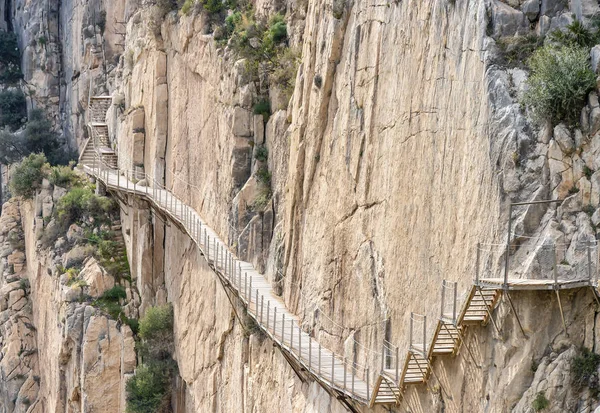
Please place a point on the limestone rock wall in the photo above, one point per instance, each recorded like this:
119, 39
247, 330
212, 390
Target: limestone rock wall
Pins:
58, 352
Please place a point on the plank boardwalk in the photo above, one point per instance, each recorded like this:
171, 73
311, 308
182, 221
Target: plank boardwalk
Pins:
348, 381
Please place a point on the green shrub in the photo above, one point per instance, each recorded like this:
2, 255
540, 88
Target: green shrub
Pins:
13, 109
156, 333
10, 58
559, 83
576, 34
38, 137
149, 389
516, 50
63, 176
213, 6
115, 294
80, 202
262, 153
264, 176
156, 322
187, 6
584, 366
263, 108
28, 175
540, 402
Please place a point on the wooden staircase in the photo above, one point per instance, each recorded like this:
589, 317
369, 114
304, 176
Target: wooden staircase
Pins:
98, 148
445, 341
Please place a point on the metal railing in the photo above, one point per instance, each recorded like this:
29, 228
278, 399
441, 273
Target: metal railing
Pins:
345, 376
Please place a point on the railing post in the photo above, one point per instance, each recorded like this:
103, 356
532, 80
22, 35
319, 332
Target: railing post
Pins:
410, 331
250, 292
283, 329
344, 373
442, 309
257, 303
262, 304
383, 356
332, 369
207, 247
455, 301
275, 323
368, 391
292, 336
424, 336
309, 353
397, 363
319, 359
245, 284
353, 372
555, 265
299, 342
477, 264
589, 256
268, 309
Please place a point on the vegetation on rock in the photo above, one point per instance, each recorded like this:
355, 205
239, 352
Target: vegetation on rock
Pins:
584, 370
149, 390
561, 78
10, 58
38, 137
13, 109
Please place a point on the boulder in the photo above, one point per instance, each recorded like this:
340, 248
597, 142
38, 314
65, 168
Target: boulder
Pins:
242, 122
97, 280
562, 135
531, 9
551, 7
76, 256
508, 21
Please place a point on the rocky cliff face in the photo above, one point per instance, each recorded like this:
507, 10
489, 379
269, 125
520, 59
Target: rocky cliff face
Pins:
59, 352
400, 150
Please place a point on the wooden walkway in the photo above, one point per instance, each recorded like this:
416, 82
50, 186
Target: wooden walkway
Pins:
347, 381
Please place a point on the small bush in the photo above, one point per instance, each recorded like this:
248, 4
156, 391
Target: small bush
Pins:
28, 175
516, 50
24, 284
80, 202
10, 58
156, 333
187, 7
262, 153
576, 34
584, 367
38, 137
264, 176
263, 108
115, 294
149, 389
559, 83
13, 109
63, 176
540, 402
